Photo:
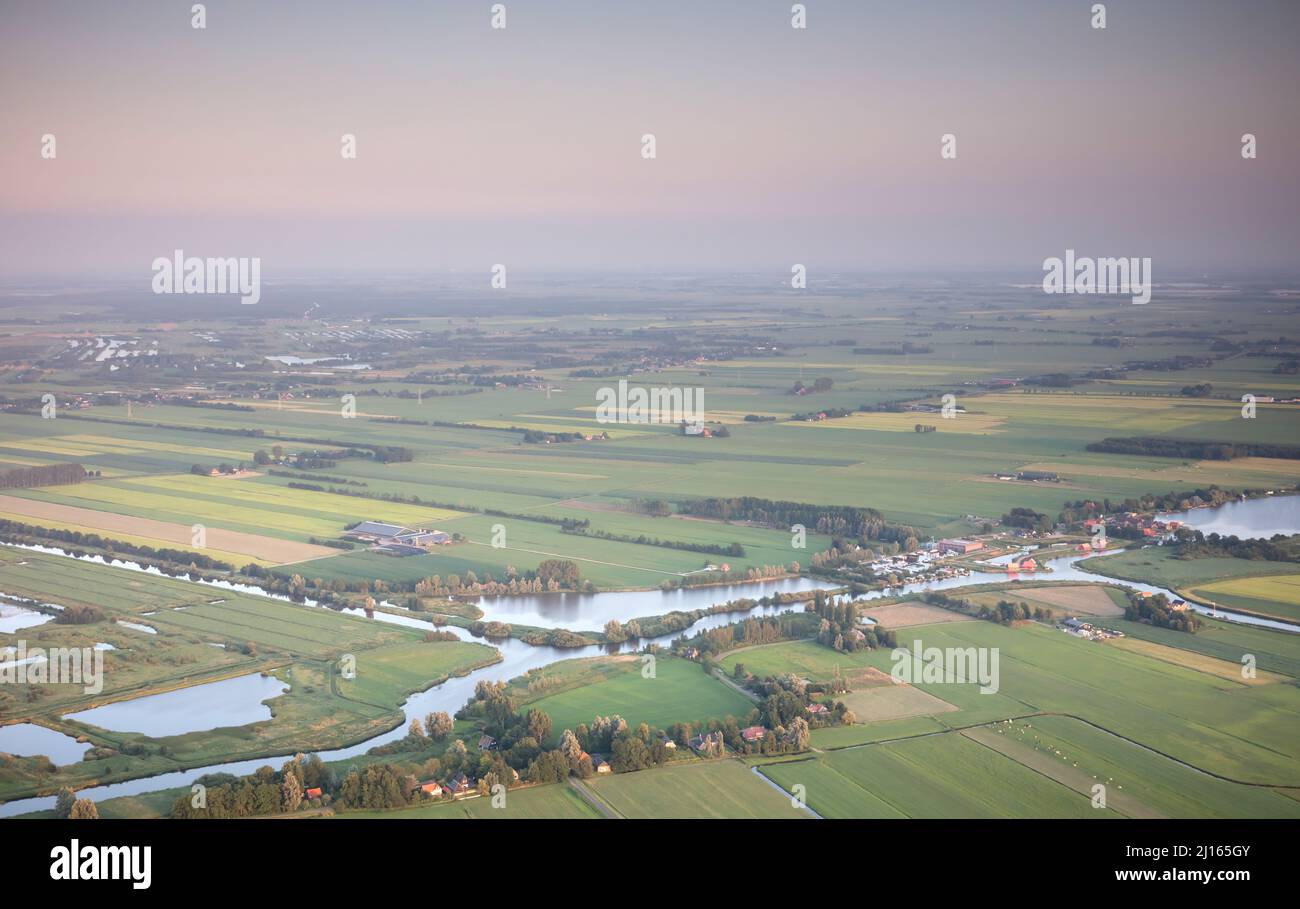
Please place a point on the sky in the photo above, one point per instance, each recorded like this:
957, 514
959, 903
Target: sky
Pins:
523, 145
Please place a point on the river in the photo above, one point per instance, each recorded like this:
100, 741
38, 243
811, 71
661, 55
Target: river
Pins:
554, 610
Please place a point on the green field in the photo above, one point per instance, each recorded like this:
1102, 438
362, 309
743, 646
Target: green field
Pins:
679, 692
532, 803
700, 789
1274, 595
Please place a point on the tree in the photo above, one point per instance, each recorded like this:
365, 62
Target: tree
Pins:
439, 725
570, 748
63, 802
415, 730
539, 725
798, 734
84, 809
291, 792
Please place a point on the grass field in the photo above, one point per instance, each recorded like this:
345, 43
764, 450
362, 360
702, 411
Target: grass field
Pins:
558, 801
720, 788
256, 505
679, 692
942, 776
1247, 732
1275, 595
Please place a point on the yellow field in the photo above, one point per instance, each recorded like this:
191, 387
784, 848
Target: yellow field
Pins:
1283, 588
234, 558
1223, 669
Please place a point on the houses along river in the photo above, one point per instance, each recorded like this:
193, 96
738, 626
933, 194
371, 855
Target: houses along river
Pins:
1260, 517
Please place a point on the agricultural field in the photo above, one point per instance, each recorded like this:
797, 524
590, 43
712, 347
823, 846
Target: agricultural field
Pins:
1272, 595
941, 776
1082, 599
720, 788
557, 801
476, 461
1193, 711
679, 692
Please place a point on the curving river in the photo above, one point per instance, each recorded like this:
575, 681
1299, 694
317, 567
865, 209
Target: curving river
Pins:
591, 610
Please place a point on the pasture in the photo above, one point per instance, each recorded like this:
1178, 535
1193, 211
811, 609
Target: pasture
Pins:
679, 692
721, 788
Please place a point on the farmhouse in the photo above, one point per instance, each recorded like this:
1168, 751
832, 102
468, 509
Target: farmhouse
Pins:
709, 744
458, 784
817, 709
600, 765
486, 743
432, 787
394, 539
753, 734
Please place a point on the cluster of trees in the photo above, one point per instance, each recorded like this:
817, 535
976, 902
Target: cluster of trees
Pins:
390, 454
754, 630
822, 383
1196, 391
1194, 544
67, 805
1155, 610
536, 436
266, 791
1027, 518
1004, 613
833, 520
629, 750
79, 614
839, 629
45, 475
481, 629
734, 550
1193, 450
1077, 512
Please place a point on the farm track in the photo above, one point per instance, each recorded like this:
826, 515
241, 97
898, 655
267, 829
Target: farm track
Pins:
585, 792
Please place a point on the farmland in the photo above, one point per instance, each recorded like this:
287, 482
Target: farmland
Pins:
698, 789
491, 434
677, 692
557, 801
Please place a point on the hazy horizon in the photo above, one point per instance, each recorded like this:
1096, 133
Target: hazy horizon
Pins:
521, 146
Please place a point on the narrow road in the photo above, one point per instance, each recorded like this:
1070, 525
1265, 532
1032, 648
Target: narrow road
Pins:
595, 801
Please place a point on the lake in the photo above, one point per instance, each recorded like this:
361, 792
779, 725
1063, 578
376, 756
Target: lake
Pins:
230, 702
1251, 519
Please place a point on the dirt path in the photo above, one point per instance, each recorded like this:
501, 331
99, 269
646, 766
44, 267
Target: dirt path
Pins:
584, 791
